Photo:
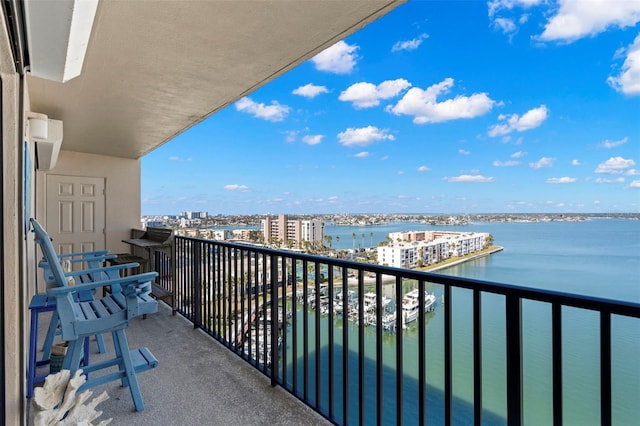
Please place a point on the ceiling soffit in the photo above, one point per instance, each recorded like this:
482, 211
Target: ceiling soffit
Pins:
154, 69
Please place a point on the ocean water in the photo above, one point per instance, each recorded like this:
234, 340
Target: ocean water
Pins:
599, 257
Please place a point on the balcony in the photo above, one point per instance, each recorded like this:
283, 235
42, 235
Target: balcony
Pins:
197, 382
260, 333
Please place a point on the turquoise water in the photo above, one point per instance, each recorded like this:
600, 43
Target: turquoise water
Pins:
596, 257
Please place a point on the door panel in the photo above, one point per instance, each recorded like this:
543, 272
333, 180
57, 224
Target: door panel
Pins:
75, 213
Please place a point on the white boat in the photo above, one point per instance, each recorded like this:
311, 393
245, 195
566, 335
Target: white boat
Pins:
389, 322
350, 296
369, 302
411, 305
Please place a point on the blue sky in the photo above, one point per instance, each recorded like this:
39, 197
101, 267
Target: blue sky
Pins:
518, 106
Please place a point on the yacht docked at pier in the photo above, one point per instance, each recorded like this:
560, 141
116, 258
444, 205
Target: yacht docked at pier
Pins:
411, 305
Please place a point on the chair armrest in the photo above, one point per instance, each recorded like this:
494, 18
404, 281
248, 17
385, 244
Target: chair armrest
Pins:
63, 258
125, 282
100, 258
106, 269
86, 254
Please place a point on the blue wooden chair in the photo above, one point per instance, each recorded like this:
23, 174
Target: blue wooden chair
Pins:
94, 261
41, 303
112, 313
90, 260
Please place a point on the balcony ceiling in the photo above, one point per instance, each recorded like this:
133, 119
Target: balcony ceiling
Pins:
154, 69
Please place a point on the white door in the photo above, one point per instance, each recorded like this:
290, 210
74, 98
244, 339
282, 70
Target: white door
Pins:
75, 213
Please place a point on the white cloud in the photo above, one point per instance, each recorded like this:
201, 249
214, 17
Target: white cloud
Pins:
508, 25
529, 120
575, 162
464, 152
497, 5
290, 135
363, 136
614, 165
362, 154
544, 162
338, 59
632, 172
469, 178
612, 144
509, 163
518, 154
564, 179
312, 139
409, 44
310, 90
425, 108
366, 95
505, 25
605, 180
236, 187
179, 159
634, 184
423, 169
273, 112
628, 81
578, 19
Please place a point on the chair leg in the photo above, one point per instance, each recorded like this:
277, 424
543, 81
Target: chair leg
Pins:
51, 334
129, 370
74, 355
118, 350
100, 341
33, 342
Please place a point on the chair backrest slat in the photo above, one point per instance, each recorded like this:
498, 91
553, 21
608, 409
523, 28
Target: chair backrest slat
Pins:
49, 253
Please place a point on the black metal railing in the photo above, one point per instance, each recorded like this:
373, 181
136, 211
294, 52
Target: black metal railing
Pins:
162, 264
324, 329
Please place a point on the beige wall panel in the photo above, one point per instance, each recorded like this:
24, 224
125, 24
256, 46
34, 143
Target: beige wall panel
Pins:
14, 321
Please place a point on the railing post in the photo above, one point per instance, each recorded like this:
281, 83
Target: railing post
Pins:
514, 360
361, 357
399, 363
174, 270
345, 346
317, 332
196, 293
379, 349
477, 356
274, 321
448, 359
556, 347
605, 368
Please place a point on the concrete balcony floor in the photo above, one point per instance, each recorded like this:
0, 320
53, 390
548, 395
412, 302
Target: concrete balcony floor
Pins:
197, 382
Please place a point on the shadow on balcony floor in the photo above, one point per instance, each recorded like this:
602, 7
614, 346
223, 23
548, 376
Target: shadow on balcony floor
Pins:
197, 382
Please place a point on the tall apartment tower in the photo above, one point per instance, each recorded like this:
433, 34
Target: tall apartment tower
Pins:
283, 231
313, 230
292, 232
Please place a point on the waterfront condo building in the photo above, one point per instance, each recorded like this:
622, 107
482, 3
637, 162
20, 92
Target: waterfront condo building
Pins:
293, 233
194, 215
411, 249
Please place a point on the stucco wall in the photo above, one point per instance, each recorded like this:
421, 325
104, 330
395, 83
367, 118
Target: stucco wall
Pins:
13, 290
